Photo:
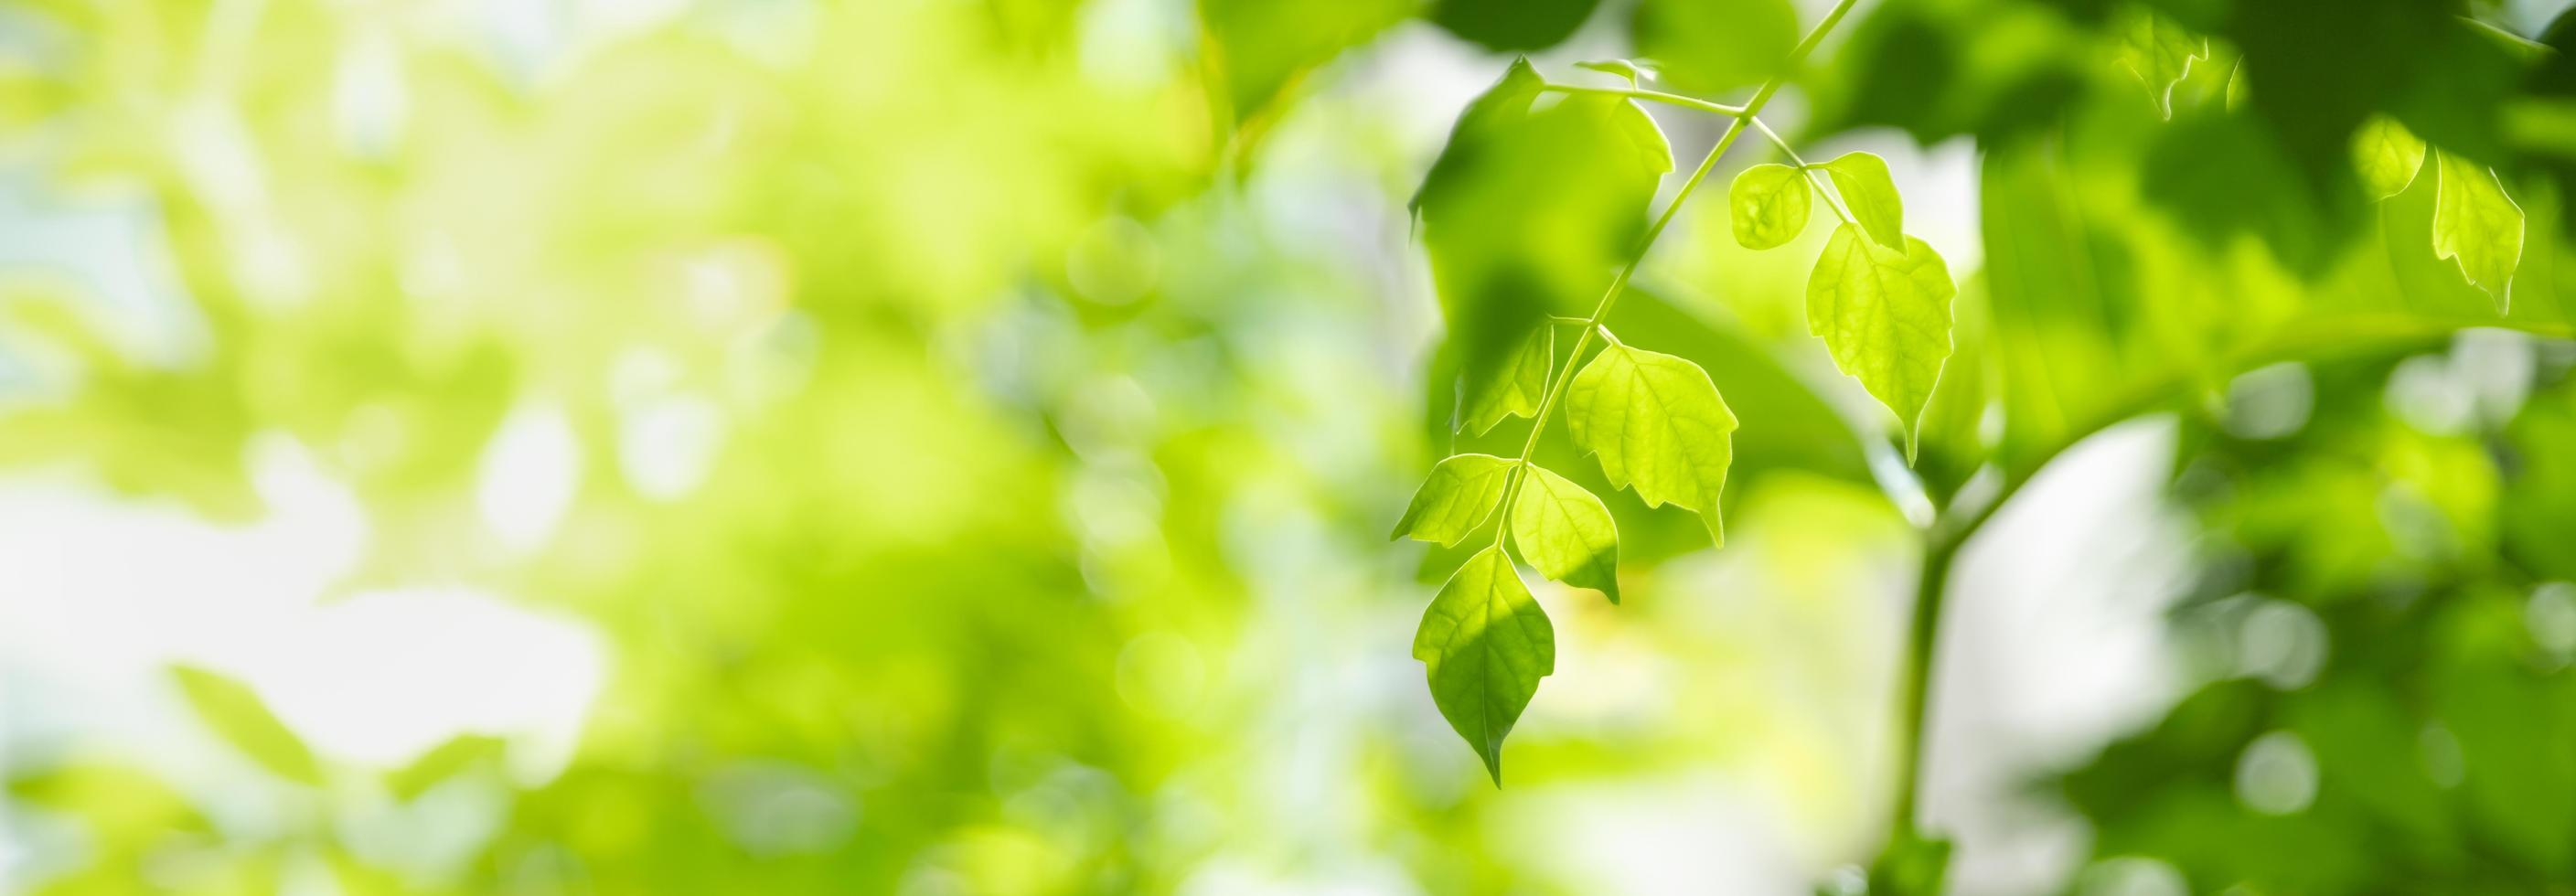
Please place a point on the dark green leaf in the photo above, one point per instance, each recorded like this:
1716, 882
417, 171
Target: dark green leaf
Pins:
1513, 391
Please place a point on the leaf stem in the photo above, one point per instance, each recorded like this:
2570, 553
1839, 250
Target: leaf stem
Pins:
1652, 96
1610, 298
1804, 169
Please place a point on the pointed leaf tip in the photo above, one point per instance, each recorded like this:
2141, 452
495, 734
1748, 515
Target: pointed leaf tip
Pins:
1885, 317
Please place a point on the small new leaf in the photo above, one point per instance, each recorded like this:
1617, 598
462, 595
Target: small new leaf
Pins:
1461, 492
1515, 390
1485, 643
1885, 316
1769, 205
1870, 193
2386, 155
1565, 533
1658, 425
2159, 52
2475, 222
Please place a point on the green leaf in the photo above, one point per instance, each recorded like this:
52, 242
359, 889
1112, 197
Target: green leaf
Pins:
1769, 205
2158, 52
2386, 155
1485, 644
1565, 533
1715, 46
1870, 193
1658, 425
236, 713
1506, 26
1525, 213
456, 755
1460, 493
1885, 315
2476, 223
1515, 390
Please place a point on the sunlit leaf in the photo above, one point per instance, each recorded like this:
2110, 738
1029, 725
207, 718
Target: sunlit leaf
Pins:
1885, 316
2386, 155
237, 713
1658, 426
1565, 533
1460, 494
1485, 644
2159, 52
1513, 391
1870, 193
1768, 205
2477, 224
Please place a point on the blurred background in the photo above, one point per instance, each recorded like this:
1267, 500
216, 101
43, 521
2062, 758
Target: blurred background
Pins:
946, 447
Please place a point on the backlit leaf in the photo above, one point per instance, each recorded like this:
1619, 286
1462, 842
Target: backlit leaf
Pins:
1514, 391
243, 720
1870, 194
2476, 223
1769, 205
1565, 533
2386, 155
1461, 492
1658, 425
1485, 644
2159, 52
1885, 316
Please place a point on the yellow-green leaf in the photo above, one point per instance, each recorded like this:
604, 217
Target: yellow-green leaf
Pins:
2386, 155
2158, 52
1885, 316
237, 713
1461, 492
1515, 390
446, 761
1658, 425
2476, 223
1769, 205
1565, 533
1484, 644
1870, 194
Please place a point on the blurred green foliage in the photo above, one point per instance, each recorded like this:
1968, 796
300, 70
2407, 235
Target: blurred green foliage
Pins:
1063, 376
